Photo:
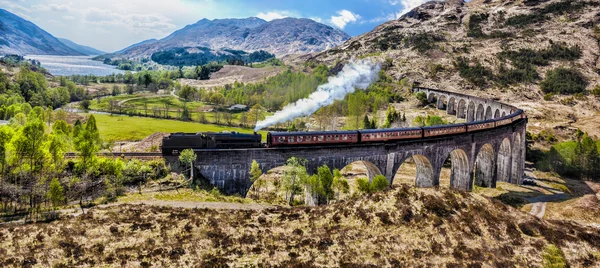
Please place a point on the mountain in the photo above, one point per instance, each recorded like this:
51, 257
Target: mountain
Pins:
90, 51
512, 51
19, 36
280, 37
145, 42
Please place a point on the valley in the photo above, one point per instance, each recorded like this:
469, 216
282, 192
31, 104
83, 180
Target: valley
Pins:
276, 167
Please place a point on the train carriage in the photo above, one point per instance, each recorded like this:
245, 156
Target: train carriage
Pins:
480, 125
442, 130
392, 134
282, 139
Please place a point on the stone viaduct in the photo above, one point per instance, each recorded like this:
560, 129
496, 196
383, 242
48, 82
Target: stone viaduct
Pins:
481, 158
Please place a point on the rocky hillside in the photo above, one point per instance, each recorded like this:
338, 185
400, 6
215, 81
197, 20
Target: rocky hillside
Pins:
497, 49
280, 37
19, 36
404, 227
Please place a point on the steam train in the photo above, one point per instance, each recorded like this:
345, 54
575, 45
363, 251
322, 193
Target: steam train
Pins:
176, 142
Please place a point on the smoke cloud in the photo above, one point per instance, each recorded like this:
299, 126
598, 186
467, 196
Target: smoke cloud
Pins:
354, 75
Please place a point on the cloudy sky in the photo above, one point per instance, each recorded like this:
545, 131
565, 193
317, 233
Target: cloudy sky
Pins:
110, 25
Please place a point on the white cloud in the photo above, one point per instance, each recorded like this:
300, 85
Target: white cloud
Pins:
344, 17
68, 17
407, 5
132, 21
13, 6
273, 15
317, 19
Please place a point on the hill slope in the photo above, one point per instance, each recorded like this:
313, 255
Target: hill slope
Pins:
398, 228
19, 36
145, 42
87, 50
280, 37
504, 48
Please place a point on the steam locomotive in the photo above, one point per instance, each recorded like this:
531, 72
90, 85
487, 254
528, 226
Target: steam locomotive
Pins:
174, 143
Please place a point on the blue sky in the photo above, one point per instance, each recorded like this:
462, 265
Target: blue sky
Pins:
110, 25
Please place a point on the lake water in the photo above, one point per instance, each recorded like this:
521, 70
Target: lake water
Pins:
72, 65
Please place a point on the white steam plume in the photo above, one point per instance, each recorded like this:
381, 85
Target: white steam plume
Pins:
354, 75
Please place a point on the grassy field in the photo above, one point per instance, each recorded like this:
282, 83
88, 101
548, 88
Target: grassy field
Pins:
151, 100
126, 128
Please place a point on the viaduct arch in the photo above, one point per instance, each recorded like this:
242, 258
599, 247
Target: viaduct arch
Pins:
481, 158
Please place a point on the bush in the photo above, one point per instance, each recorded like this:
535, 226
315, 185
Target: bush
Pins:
596, 91
549, 96
475, 74
564, 81
379, 183
554, 257
422, 97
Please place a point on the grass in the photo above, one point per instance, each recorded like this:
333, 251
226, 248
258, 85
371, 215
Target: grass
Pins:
126, 128
183, 195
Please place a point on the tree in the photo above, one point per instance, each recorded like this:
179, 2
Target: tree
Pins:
187, 92
188, 156
29, 144
6, 134
293, 177
85, 105
88, 141
326, 181
255, 114
56, 193
340, 184
57, 146
255, 173
366, 122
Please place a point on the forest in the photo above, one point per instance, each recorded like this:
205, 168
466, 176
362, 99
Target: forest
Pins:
182, 57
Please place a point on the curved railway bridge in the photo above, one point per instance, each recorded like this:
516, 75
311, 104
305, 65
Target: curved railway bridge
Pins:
481, 157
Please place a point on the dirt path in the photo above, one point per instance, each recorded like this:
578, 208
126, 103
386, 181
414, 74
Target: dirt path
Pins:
538, 208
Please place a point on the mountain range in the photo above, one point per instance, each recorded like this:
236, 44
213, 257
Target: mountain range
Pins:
86, 50
19, 36
280, 37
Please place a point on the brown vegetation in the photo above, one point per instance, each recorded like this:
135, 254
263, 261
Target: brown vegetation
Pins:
404, 226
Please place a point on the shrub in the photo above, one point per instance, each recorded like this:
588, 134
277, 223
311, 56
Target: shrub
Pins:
554, 257
475, 74
596, 91
549, 96
379, 183
422, 97
564, 81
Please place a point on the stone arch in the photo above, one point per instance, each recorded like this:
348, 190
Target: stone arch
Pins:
497, 113
517, 159
432, 97
421, 166
363, 166
451, 109
488, 113
485, 167
460, 173
503, 114
442, 102
504, 161
461, 111
266, 187
480, 114
471, 112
